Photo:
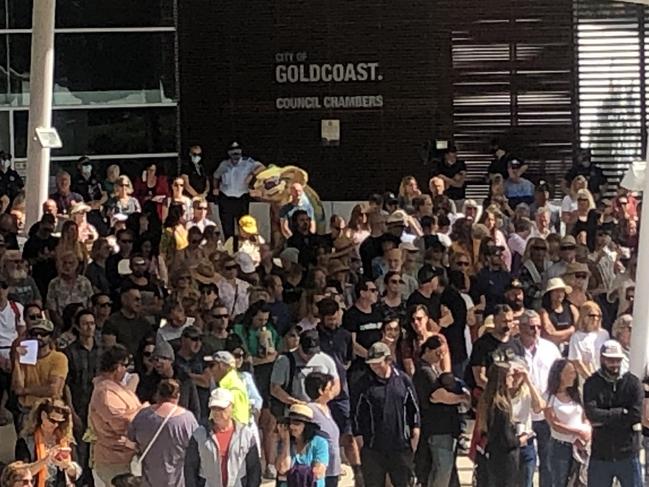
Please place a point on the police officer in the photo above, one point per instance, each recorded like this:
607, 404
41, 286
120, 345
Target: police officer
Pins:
231, 186
86, 183
11, 184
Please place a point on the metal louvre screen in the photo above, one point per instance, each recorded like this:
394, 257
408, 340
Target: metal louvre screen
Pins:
512, 77
611, 76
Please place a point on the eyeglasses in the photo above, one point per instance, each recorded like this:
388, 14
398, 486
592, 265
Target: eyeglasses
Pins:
105, 305
581, 275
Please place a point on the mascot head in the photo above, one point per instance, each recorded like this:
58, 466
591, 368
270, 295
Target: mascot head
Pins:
273, 183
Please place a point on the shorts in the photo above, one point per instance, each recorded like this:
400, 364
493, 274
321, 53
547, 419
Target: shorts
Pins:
340, 412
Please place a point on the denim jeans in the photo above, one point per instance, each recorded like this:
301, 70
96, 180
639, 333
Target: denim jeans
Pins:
442, 452
628, 472
527, 465
560, 462
542, 431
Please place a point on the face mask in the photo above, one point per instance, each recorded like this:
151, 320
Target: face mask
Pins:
196, 159
86, 171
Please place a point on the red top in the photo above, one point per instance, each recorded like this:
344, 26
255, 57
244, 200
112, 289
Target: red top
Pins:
223, 439
143, 193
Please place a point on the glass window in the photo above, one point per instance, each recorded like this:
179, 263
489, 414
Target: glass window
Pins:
101, 68
106, 131
97, 13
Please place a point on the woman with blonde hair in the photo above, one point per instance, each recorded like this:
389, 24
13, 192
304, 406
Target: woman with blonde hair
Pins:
584, 220
112, 175
408, 189
569, 202
47, 438
70, 242
585, 343
122, 202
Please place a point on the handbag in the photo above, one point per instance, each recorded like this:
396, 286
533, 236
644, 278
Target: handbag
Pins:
136, 461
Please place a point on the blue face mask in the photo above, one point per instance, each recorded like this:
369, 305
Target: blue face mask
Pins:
196, 159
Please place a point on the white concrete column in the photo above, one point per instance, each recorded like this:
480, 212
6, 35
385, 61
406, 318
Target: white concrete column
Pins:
40, 106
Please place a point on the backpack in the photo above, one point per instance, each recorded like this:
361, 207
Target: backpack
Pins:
277, 407
300, 476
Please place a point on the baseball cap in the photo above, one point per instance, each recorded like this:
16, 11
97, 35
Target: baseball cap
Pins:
291, 254
515, 163
234, 146
612, 349
377, 353
427, 273
191, 332
390, 198
222, 357
220, 398
245, 262
514, 283
543, 187
568, 241
310, 342
164, 350
42, 324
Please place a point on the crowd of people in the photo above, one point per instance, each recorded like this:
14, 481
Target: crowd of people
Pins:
149, 335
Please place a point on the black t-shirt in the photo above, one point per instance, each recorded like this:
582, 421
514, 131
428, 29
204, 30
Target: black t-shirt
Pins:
436, 419
454, 333
197, 177
491, 284
339, 346
35, 245
432, 303
483, 354
450, 171
369, 249
499, 166
367, 326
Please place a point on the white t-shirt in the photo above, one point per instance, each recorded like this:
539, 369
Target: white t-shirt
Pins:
539, 365
568, 205
570, 414
8, 322
585, 346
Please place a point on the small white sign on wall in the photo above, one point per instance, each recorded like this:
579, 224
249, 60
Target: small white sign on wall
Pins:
330, 132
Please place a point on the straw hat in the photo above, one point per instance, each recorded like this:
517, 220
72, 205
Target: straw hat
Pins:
557, 283
205, 274
576, 268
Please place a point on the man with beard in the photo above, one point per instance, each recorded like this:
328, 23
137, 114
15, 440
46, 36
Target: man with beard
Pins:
613, 405
515, 298
22, 287
495, 345
139, 279
163, 368
46, 378
127, 327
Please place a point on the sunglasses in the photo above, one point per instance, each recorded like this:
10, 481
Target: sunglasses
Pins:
568, 247
372, 290
595, 316
147, 354
230, 267
462, 264
105, 305
539, 248
37, 333
34, 317
220, 317
395, 281
194, 339
581, 276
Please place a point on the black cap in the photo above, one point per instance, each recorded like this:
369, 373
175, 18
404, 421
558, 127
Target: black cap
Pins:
427, 273
234, 145
310, 342
515, 163
514, 283
191, 332
494, 250
390, 197
543, 186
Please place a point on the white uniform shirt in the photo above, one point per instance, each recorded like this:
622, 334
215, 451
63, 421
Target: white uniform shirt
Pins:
234, 177
539, 364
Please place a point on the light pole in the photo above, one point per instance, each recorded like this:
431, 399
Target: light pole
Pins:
40, 107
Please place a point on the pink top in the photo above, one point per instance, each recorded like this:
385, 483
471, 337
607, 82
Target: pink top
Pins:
112, 407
